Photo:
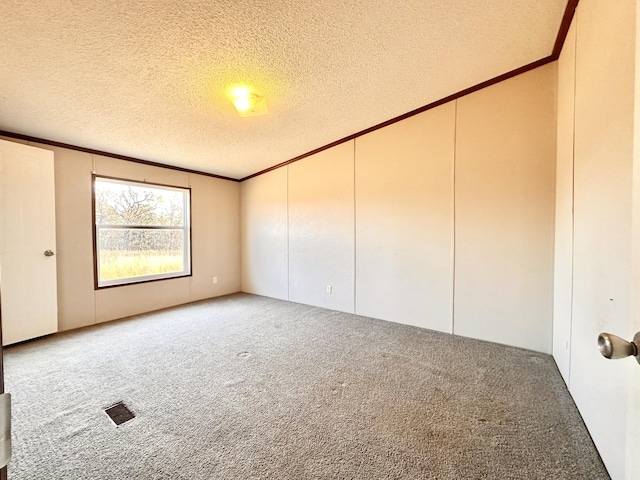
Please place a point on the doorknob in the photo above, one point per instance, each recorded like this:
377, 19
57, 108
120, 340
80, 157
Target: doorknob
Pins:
613, 347
48, 253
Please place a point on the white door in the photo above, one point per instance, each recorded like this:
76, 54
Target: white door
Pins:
606, 226
27, 230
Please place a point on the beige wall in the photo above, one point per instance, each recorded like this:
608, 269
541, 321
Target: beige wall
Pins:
505, 173
215, 241
76, 295
600, 61
404, 220
264, 235
296, 220
321, 229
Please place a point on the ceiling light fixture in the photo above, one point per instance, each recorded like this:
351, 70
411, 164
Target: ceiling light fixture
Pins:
248, 103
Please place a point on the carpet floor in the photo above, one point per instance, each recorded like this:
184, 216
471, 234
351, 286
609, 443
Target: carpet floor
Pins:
248, 387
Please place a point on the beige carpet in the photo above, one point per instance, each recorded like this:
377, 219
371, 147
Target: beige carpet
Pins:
247, 387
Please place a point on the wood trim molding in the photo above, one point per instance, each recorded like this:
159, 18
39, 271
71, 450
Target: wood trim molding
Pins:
567, 18
560, 39
569, 13
92, 151
404, 116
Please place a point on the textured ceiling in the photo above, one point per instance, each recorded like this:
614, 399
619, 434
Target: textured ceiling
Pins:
148, 78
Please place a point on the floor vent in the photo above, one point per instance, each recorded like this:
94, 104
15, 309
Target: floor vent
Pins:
119, 413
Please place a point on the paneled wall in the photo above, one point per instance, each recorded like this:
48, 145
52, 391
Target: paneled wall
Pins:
215, 206
505, 174
404, 220
452, 213
321, 229
264, 238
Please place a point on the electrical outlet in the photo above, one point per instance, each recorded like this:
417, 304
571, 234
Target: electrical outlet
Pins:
329, 288
215, 280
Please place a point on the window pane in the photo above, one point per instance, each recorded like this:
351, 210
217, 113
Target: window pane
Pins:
126, 253
142, 231
122, 203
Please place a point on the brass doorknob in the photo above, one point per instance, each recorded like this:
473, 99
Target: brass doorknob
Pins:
613, 347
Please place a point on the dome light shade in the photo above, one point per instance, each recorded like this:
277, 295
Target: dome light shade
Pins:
248, 103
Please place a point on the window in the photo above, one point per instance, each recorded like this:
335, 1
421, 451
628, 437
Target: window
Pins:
142, 231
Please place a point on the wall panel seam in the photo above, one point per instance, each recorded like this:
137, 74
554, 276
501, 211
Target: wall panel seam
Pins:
355, 233
453, 223
288, 232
